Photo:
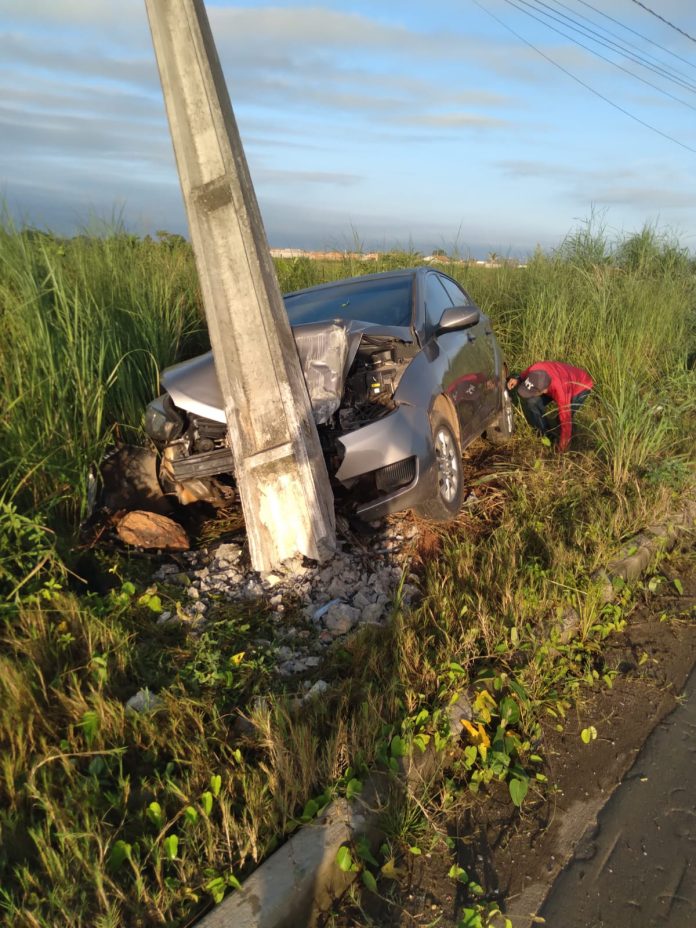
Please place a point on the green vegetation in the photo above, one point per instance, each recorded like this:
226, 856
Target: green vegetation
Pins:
88, 324
109, 817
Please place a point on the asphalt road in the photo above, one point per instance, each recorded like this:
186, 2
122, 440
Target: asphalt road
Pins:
638, 868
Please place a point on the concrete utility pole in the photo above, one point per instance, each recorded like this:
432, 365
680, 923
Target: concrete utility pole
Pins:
279, 467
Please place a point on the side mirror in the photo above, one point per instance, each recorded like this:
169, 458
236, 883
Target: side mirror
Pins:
458, 317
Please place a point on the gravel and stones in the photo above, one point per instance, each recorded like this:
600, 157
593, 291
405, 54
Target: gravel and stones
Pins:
312, 605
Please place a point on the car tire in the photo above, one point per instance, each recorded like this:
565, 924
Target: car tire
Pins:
450, 480
503, 428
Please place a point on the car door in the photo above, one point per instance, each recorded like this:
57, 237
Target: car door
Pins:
489, 396
462, 358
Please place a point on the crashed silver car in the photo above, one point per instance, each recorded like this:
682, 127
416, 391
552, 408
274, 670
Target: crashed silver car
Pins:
403, 372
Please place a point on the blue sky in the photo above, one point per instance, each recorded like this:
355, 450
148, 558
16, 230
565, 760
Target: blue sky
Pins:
398, 123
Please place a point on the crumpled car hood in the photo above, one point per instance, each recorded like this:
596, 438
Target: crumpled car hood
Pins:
326, 350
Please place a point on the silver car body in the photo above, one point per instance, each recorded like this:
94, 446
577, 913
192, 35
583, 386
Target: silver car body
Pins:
373, 386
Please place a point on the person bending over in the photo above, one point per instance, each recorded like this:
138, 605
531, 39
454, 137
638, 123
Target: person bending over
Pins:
552, 381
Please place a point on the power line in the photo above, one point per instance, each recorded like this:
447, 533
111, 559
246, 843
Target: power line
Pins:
638, 55
665, 21
639, 34
592, 51
571, 23
582, 83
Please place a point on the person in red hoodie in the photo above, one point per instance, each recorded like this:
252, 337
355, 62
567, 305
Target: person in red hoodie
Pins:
552, 381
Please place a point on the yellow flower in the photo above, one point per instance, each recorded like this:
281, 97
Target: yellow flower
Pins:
478, 736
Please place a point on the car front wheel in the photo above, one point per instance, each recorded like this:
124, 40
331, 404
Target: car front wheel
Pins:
448, 464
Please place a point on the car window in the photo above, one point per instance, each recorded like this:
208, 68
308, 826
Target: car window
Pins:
457, 295
385, 301
436, 301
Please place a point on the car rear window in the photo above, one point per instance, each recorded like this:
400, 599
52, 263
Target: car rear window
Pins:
384, 302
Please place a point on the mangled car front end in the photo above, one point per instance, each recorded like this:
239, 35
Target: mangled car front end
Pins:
352, 372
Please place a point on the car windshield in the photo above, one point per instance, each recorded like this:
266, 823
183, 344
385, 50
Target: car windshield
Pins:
384, 301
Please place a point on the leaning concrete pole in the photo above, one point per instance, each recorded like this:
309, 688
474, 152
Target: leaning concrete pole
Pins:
280, 471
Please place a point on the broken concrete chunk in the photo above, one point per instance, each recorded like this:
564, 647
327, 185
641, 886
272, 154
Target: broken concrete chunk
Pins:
297, 665
228, 552
143, 700
319, 688
372, 614
360, 601
338, 588
151, 530
271, 580
166, 570
341, 617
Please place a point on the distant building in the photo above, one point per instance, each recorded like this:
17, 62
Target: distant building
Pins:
288, 253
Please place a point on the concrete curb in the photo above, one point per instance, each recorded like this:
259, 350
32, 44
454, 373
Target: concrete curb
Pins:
636, 556
301, 879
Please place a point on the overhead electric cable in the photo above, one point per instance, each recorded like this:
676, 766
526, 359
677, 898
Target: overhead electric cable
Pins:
582, 83
639, 50
626, 48
665, 21
592, 51
639, 34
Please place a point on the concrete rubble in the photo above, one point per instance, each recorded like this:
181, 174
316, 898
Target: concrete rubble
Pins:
143, 701
356, 587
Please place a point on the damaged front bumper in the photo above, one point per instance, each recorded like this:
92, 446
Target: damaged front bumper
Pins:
389, 462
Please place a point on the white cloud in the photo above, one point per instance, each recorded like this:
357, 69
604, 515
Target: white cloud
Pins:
454, 121
622, 185
332, 178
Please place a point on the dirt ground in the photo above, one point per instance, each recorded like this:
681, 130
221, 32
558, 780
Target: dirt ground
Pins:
516, 854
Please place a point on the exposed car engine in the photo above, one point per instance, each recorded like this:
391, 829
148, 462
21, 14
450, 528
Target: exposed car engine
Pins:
372, 380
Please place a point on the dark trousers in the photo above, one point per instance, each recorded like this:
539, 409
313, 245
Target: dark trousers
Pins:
535, 412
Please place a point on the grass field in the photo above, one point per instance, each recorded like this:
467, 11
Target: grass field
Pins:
109, 818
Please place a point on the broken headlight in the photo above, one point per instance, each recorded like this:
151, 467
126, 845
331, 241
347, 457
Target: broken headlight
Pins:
163, 422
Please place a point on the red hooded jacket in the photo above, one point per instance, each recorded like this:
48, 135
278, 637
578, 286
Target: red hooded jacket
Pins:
566, 382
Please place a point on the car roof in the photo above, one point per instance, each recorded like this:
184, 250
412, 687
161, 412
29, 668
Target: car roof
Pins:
382, 275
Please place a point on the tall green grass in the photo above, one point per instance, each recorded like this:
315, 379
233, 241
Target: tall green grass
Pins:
88, 325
